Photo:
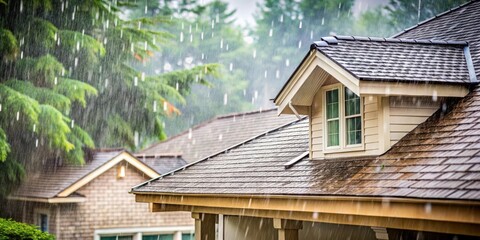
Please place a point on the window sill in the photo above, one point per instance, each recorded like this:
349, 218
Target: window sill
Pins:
353, 148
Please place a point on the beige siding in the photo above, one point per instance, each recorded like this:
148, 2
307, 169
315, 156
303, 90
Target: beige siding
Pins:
408, 112
370, 124
316, 126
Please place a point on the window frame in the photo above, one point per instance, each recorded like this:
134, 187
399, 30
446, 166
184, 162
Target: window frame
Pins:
38, 212
342, 147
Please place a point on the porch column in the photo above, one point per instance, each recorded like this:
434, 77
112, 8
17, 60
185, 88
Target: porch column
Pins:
380, 233
287, 229
204, 226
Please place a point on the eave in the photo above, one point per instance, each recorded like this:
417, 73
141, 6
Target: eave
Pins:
435, 215
49, 200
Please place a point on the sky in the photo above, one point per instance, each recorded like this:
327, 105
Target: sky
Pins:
246, 8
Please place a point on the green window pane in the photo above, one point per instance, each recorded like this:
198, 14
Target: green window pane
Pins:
108, 238
352, 103
332, 104
125, 237
158, 237
354, 130
333, 138
187, 236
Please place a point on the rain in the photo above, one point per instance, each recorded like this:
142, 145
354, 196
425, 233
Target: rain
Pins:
86, 84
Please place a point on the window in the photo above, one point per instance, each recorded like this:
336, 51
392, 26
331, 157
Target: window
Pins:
343, 118
41, 219
158, 237
116, 238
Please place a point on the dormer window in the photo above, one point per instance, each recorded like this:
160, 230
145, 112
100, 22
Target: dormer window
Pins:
343, 119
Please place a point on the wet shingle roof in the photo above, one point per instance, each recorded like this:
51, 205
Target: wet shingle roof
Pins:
51, 181
398, 59
460, 23
219, 133
440, 159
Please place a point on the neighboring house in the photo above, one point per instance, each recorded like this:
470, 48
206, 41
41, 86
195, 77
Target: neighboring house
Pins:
218, 134
390, 148
92, 201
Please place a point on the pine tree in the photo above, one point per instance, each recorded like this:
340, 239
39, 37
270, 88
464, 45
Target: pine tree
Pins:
68, 81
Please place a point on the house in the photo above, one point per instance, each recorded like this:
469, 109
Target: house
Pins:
390, 147
219, 133
92, 201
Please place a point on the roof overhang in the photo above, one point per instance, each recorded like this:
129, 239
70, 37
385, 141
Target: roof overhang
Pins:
445, 216
316, 68
123, 156
49, 200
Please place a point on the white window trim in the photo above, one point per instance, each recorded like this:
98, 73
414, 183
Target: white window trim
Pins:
36, 214
139, 231
342, 147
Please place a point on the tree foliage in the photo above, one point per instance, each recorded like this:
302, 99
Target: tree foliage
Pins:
70, 79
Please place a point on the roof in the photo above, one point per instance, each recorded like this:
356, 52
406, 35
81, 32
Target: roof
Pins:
440, 159
218, 134
52, 181
162, 163
404, 60
460, 23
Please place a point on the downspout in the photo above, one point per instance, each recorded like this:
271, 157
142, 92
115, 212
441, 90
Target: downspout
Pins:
294, 110
470, 67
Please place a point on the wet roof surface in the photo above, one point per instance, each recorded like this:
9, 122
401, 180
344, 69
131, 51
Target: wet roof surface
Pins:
439, 159
461, 23
219, 133
398, 59
52, 181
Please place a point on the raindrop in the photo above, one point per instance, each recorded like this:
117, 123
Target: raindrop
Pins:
146, 9
18, 116
220, 137
146, 46
203, 56
244, 92
36, 142
311, 35
73, 15
323, 20
300, 44
226, 47
265, 74
165, 106
190, 29
196, 78
221, 43
270, 33
105, 41
21, 6
300, 24
190, 133
231, 67
135, 81
254, 53
21, 55
191, 37
73, 123
277, 74
428, 208
315, 215
136, 139
0, 107
176, 86
213, 24
434, 96
256, 94
106, 82
78, 45
225, 99
181, 36
34, 127
201, 35
143, 76
55, 80
287, 62
76, 62
154, 106
139, 25
121, 33
281, 18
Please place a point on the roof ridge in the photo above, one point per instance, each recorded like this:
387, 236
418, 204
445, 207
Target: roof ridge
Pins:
202, 124
432, 18
333, 40
246, 113
219, 152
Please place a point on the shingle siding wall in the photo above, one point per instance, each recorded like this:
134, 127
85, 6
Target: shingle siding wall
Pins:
406, 113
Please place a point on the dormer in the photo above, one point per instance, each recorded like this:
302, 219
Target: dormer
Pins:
362, 95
